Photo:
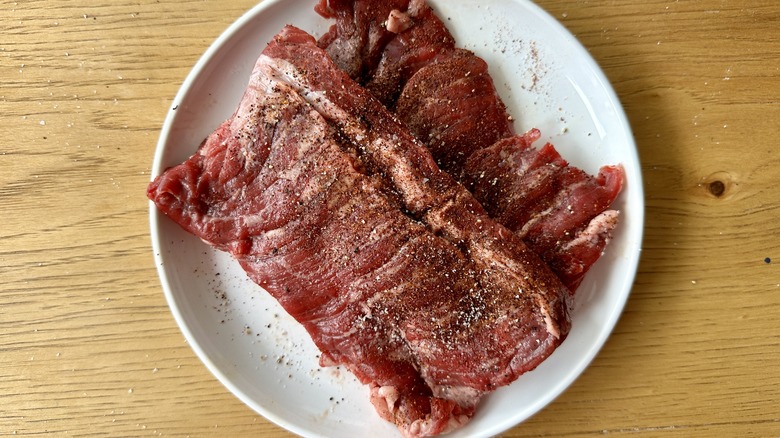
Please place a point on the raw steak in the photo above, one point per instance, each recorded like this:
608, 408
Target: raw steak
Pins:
396, 272
447, 98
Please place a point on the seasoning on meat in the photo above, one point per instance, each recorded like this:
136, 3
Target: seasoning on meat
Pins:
331, 205
447, 98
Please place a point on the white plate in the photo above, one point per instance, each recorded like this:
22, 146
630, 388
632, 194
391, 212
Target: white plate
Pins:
548, 81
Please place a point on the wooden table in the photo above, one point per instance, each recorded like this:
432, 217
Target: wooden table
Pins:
89, 347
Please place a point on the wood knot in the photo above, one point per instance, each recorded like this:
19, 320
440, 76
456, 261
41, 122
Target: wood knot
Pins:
719, 184
717, 188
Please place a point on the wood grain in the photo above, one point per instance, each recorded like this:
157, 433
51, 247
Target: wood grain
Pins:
88, 346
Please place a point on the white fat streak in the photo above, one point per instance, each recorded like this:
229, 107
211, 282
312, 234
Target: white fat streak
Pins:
557, 204
505, 264
284, 72
402, 173
508, 265
552, 328
389, 269
462, 395
435, 219
265, 93
415, 7
425, 427
258, 92
535, 219
390, 394
598, 228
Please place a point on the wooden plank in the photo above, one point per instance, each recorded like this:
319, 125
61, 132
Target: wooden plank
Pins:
88, 346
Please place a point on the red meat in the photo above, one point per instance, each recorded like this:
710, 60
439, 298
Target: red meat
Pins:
448, 99
396, 272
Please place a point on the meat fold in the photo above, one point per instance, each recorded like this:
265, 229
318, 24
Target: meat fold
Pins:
398, 274
447, 98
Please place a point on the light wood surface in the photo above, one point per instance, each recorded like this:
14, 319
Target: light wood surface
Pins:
88, 346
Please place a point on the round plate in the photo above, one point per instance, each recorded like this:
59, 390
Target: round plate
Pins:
547, 80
